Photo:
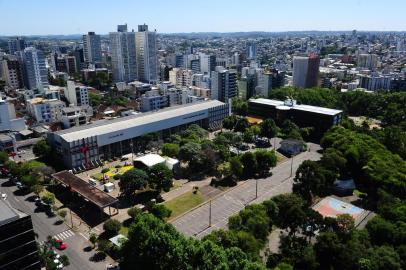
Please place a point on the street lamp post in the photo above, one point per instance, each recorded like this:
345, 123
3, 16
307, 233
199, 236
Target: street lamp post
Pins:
256, 188
210, 213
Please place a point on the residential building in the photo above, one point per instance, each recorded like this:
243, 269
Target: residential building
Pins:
207, 63
251, 50
181, 77
77, 95
12, 72
152, 101
195, 65
45, 110
114, 138
368, 61
375, 82
74, 116
146, 51
123, 55
223, 84
305, 71
18, 248
35, 68
92, 48
8, 118
16, 45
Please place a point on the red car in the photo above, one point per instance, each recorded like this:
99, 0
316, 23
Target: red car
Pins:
60, 245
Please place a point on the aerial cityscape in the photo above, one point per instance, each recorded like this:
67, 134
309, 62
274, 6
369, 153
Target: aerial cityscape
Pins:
213, 135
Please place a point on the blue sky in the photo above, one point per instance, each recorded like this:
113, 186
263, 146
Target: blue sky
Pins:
24, 17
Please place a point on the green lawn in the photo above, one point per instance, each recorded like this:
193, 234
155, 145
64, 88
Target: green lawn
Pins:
279, 156
124, 230
184, 202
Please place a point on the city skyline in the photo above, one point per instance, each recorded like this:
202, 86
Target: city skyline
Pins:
75, 17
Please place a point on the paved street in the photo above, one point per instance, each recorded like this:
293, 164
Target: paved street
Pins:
196, 222
44, 226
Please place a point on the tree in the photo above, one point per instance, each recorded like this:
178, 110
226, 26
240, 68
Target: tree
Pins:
62, 213
37, 189
345, 223
328, 249
161, 211
133, 180
170, 149
189, 151
133, 212
252, 219
3, 157
241, 124
93, 239
42, 149
103, 246
265, 160
112, 226
160, 177
48, 198
268, 128
235, 166
249, 163
310, 181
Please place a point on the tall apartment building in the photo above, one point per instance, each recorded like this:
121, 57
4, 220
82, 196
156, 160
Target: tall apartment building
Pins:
369, 61
12, 72
35, 68
78, 95
146, 51
123, 54
15, 45
246, 87
207, 63
375, 82
18, 248
251, 50
305, 71
223, 84
92, 48
181, 77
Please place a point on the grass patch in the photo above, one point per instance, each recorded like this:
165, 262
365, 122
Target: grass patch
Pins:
184, 202
279, 156
124, 230
358, 193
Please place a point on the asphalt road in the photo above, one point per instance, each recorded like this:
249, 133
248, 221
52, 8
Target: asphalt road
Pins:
197, 222
44, 226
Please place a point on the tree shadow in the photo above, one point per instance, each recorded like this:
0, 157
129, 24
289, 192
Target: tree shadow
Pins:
8, 183
98, 257
88, 249
58, 222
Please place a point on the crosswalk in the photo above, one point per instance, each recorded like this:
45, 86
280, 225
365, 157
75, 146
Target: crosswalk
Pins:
64, 235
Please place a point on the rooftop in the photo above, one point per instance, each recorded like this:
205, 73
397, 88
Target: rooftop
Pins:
7, 213
91, 193
107, 126
150, 160
280, 104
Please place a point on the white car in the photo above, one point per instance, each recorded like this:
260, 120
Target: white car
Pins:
4, 196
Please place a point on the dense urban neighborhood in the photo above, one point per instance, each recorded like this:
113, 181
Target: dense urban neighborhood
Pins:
244, 151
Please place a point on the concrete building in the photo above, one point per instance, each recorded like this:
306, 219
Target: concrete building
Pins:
77, 95
223, 84
207, 63
146, 50
375, 82
152, 101
82, 146
181, 77
368, 61
74, 116
35, 68
305, 71
45, 110
16, 45
12, 72
123, 55
8, 118
92, 48
246, 87
18, 249
303, 115
251, 50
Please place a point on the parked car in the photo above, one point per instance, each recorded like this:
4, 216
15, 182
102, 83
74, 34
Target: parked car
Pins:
4, 196
59, 244
21, 186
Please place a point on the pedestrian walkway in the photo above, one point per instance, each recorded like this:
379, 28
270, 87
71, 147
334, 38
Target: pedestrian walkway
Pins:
64, 235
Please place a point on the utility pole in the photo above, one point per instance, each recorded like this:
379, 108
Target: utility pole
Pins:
210, 213
256, 188
291, 167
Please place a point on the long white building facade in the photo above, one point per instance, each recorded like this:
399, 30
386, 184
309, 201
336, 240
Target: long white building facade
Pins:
83, 147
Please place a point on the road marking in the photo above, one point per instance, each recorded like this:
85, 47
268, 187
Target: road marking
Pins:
64, 235
84, 236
